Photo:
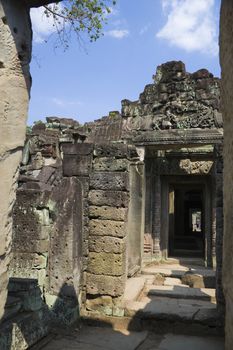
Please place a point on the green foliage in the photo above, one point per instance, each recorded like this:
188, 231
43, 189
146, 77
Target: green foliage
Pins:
28, 129
79, 16
36, 122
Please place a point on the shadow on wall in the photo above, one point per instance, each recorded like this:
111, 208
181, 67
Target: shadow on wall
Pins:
29, 317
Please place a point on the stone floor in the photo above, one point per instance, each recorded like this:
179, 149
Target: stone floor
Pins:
95, 338
167, 300
179, 291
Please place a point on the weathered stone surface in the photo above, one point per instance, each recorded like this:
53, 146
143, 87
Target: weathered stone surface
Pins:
109, 198
77, 148
29, 261
35, 246
105, 285
107, 228
176, 100
106, 244
102, 304
65, 255
110, 164
14, 90
31, 218
63, 311
109, 181
198, 280
106, 264
226, 58
107, 213
76, 165
118, 150
26, 330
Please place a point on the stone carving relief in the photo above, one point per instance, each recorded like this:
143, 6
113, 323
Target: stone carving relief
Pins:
196, 167
177, 100
173, 166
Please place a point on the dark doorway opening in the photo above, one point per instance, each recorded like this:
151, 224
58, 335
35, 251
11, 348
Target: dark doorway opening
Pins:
186, 221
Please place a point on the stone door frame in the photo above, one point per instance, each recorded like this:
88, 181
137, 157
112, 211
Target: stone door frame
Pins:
206, 183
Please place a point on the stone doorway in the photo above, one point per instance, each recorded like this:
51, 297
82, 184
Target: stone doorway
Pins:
186, 221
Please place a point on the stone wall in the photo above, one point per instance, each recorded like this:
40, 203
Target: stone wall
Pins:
15, 81
72, 202
104, 168
226, 58
48, 225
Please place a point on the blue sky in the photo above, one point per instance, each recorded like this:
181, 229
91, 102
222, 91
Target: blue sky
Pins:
140, 35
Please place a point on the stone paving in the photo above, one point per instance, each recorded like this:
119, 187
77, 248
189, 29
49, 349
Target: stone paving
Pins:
95, 338
172, 315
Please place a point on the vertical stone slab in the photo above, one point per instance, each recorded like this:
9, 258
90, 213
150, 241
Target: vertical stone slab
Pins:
226, 59
65, 255
15, 82
156, 224
136, 219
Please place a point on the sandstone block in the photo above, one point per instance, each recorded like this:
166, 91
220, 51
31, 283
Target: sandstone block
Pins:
105, 285
108, 213
101, 304
106, 244
85, 247
106, 263
109, 181
106, 150
28, 261
110, 164
85, 185
78, 148
76, 165
108, 198
107, 228
31, 246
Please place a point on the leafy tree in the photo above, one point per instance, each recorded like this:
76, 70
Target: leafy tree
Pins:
77, 16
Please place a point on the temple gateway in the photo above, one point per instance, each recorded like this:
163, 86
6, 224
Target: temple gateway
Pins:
102, 199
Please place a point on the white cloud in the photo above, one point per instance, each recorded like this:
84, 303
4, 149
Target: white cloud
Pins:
64, 103
42, 25
117, 33
190, 25
145, 29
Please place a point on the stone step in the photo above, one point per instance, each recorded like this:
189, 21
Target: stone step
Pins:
204, 276
171, 281
199, 279
163, 314
133, 289
175, 271
182, 292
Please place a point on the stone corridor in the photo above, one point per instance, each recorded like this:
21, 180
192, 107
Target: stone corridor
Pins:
170, 306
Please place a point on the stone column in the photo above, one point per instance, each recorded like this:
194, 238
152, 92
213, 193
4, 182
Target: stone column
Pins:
226, 58
156, 216
15, 82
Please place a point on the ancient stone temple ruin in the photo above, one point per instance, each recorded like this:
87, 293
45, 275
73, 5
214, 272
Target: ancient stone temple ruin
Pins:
96, 202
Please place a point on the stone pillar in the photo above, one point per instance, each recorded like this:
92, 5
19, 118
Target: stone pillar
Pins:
15, 82
156, 216
149, 194
108, 201
226, 58
219, 226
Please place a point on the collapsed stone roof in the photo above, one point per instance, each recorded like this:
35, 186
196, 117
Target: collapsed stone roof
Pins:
176, 100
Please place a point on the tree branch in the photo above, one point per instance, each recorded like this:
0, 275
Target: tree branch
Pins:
66, 18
